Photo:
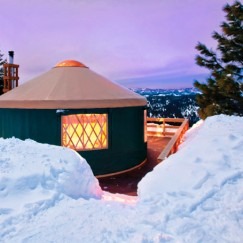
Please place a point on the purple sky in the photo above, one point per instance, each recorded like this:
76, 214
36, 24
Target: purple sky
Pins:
140, 43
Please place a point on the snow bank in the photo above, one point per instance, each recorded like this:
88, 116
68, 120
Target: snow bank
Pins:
211, 153
31, 172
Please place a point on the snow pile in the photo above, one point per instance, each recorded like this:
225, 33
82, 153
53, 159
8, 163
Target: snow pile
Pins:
196, 195
209, 158
31, 172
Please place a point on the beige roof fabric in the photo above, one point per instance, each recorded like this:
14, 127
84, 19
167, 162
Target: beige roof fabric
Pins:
70, 87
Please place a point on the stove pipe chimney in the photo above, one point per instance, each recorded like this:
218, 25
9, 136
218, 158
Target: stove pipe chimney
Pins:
11, 57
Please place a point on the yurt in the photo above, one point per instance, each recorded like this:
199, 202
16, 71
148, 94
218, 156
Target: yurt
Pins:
74, 107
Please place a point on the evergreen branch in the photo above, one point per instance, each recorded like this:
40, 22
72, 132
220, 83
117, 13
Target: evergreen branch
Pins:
223, 91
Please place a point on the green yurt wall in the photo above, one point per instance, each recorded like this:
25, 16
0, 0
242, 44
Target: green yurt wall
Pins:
126, 145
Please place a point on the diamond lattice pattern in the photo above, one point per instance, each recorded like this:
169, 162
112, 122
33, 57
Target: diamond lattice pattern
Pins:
85, 131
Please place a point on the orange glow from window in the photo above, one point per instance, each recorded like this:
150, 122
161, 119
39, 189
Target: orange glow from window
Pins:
85, 131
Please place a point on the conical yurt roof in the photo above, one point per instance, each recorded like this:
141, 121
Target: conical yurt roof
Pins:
70, 84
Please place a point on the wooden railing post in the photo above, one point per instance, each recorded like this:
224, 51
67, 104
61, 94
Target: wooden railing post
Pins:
163, 126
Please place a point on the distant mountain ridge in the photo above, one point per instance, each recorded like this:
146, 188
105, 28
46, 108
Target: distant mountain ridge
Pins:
175, 103
163, 92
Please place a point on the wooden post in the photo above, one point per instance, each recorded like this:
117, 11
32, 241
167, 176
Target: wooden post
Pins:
163, 126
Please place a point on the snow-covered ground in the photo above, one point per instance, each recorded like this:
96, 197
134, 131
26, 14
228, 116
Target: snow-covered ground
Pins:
49, 194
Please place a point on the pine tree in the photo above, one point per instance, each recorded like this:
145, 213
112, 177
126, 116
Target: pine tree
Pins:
223, 91
2, 61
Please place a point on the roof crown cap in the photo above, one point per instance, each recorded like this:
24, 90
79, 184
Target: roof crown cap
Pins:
70, 63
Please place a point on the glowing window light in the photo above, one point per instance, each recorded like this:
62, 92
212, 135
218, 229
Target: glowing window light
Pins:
85, 131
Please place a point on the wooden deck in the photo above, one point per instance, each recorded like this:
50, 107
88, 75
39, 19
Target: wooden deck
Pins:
163, 140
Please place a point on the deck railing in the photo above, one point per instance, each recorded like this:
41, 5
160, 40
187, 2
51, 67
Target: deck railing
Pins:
161, 127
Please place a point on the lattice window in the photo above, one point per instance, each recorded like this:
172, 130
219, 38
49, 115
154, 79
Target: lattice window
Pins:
85, 131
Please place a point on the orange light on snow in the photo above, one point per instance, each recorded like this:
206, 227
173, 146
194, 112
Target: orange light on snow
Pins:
131, 200
85, 131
